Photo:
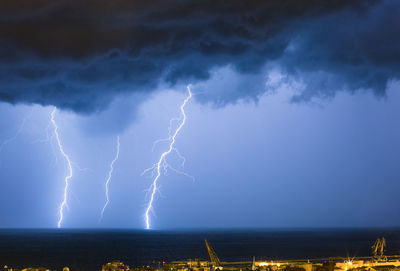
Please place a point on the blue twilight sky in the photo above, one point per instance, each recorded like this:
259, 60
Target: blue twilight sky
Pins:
294, 120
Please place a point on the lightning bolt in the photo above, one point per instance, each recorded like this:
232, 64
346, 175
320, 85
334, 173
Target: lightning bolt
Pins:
69, 176
17, 133
109, 177
162, 163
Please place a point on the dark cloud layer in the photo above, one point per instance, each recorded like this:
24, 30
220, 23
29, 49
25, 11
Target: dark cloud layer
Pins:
79, 55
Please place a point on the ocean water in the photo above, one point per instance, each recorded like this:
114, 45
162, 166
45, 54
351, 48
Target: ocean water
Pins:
90, 249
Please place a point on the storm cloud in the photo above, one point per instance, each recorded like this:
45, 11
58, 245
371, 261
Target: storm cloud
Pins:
80, 55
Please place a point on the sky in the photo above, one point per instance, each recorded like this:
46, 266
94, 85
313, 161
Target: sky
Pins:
293, 120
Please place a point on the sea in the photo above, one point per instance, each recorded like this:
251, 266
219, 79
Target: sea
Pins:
81, 249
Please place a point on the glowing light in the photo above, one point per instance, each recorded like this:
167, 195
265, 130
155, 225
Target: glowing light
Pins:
162, 163
69, 176
110, 172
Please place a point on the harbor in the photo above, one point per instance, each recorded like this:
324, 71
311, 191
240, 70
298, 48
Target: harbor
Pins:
378, 261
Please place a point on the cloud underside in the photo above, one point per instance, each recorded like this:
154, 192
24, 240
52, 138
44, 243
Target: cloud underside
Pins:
80, 55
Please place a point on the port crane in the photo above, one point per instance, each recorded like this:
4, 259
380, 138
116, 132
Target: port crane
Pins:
213, 256
378, 247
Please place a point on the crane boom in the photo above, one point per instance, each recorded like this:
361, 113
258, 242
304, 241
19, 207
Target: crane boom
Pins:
213, 256
383, 245
379, 247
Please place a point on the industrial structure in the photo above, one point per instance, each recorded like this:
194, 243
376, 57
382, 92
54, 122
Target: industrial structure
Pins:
378, 247
377, 262
214, 260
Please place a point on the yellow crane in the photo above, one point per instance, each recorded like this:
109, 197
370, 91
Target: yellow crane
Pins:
213, 256
378, 247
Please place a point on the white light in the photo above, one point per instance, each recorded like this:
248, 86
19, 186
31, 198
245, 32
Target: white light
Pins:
69, 176
162, 162
109, 177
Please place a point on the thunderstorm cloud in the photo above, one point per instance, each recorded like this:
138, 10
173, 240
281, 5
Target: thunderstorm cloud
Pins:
80, 55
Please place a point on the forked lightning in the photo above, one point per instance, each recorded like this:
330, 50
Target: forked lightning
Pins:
162, 163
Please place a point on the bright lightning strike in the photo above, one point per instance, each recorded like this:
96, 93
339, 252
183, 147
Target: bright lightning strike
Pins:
162, 163
109, 177
69, 176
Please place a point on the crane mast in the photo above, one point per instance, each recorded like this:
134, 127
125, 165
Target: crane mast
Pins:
379, 247
213, 256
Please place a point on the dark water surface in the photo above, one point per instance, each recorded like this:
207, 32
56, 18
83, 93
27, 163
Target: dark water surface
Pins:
89, 249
